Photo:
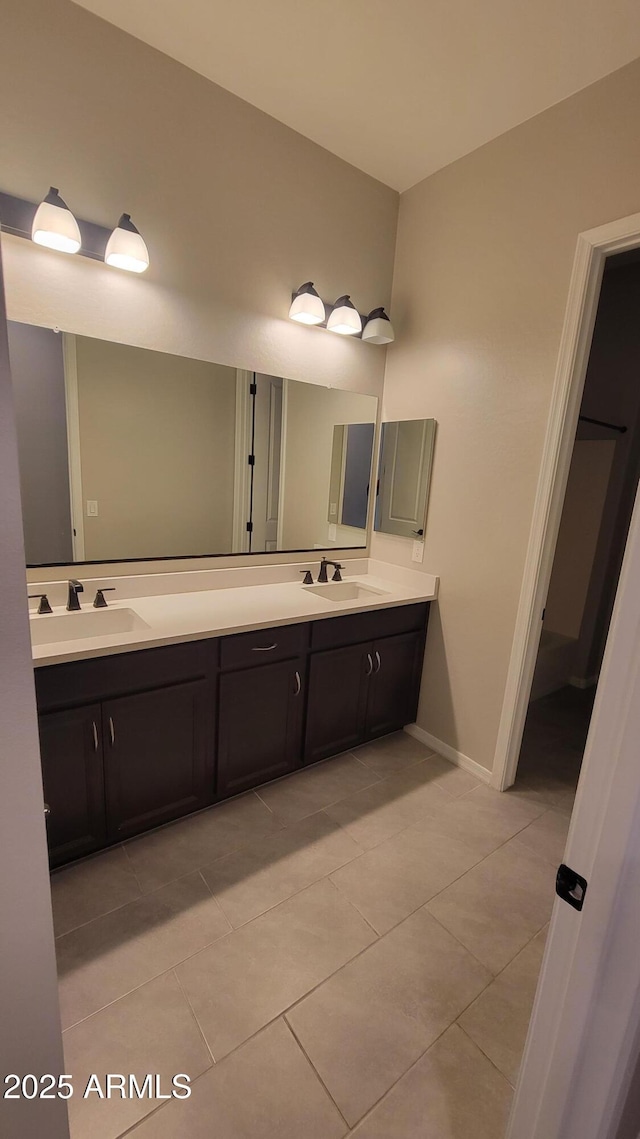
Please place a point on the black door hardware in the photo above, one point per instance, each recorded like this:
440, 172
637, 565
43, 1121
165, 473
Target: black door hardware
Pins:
571, 887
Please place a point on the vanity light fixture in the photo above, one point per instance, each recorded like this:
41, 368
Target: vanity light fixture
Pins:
126, 248
378, 328
52, 224
307, 307
55, 226
345, 317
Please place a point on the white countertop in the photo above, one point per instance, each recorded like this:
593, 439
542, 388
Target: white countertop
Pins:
172, 617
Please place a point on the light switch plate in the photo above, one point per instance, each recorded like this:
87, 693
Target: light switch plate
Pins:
92, 508
417, 553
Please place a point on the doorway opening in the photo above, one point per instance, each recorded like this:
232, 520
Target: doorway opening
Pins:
596, 515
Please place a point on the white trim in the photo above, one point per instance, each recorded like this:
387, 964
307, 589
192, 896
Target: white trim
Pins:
70, 365
450, 753
584, 289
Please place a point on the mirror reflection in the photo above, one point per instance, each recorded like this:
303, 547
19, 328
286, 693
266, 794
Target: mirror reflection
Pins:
128, 453
404, 474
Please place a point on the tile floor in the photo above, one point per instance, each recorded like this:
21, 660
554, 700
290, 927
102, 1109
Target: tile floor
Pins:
354, 950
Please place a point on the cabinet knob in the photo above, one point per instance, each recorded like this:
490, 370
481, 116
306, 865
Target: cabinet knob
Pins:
47, 810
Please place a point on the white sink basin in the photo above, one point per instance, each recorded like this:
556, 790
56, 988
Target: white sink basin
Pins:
345, 591
53, 628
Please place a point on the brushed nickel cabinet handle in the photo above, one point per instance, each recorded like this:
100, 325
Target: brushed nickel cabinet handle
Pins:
264, 648
370, 662
95, 735
378, 661
298, 684
47, 810
112, 732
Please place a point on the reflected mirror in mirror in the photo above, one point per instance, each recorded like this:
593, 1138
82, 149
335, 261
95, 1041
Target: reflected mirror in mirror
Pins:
131, 454
404, 474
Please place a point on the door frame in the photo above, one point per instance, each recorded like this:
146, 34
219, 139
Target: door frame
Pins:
593, 246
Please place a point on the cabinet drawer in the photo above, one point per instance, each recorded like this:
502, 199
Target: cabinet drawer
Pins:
264, 646
85, 681
358, 627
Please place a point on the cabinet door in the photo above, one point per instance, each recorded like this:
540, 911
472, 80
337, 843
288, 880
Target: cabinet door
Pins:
337, 702
158, 756
72, 774
394, 684
260, 734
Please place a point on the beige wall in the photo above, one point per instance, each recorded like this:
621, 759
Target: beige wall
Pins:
157, 435
236, 208
484, 256
310, 417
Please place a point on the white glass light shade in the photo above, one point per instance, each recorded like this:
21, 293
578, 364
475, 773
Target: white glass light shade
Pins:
345, 318
126, 248
378, 328
55, 226
307, 307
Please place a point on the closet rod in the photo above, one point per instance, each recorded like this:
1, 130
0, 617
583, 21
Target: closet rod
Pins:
602, 423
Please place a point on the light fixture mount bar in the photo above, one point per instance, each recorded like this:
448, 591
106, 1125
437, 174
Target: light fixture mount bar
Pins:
16, 218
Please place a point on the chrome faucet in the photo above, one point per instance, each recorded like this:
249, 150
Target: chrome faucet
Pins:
322, 576
73, 601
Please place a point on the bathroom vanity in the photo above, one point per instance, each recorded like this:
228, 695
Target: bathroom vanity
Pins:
133, 739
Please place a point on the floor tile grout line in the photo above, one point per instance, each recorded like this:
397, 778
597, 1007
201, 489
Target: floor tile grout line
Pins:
289, 897
315, 1070
477, 1044
196, 1021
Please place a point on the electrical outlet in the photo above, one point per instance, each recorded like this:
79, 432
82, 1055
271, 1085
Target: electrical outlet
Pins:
333, 532
417, 553
92, 508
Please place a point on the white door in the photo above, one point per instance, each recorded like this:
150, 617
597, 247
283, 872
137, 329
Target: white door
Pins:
583, 1038
405, 468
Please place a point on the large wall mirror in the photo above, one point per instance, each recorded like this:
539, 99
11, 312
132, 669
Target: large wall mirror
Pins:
404, 476
127, 453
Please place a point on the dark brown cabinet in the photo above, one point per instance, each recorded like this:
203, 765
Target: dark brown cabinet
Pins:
394, 683
337, 701
157, 747
73, 779
260, 730
361, 691
133, 740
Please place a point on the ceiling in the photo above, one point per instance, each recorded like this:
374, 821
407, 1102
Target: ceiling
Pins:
398, 88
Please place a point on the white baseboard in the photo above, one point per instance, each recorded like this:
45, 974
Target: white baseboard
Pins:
583, 681
450, 753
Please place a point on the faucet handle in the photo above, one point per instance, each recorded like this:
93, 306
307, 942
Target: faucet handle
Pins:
337, 575
44, 604
99, 601
307, 579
